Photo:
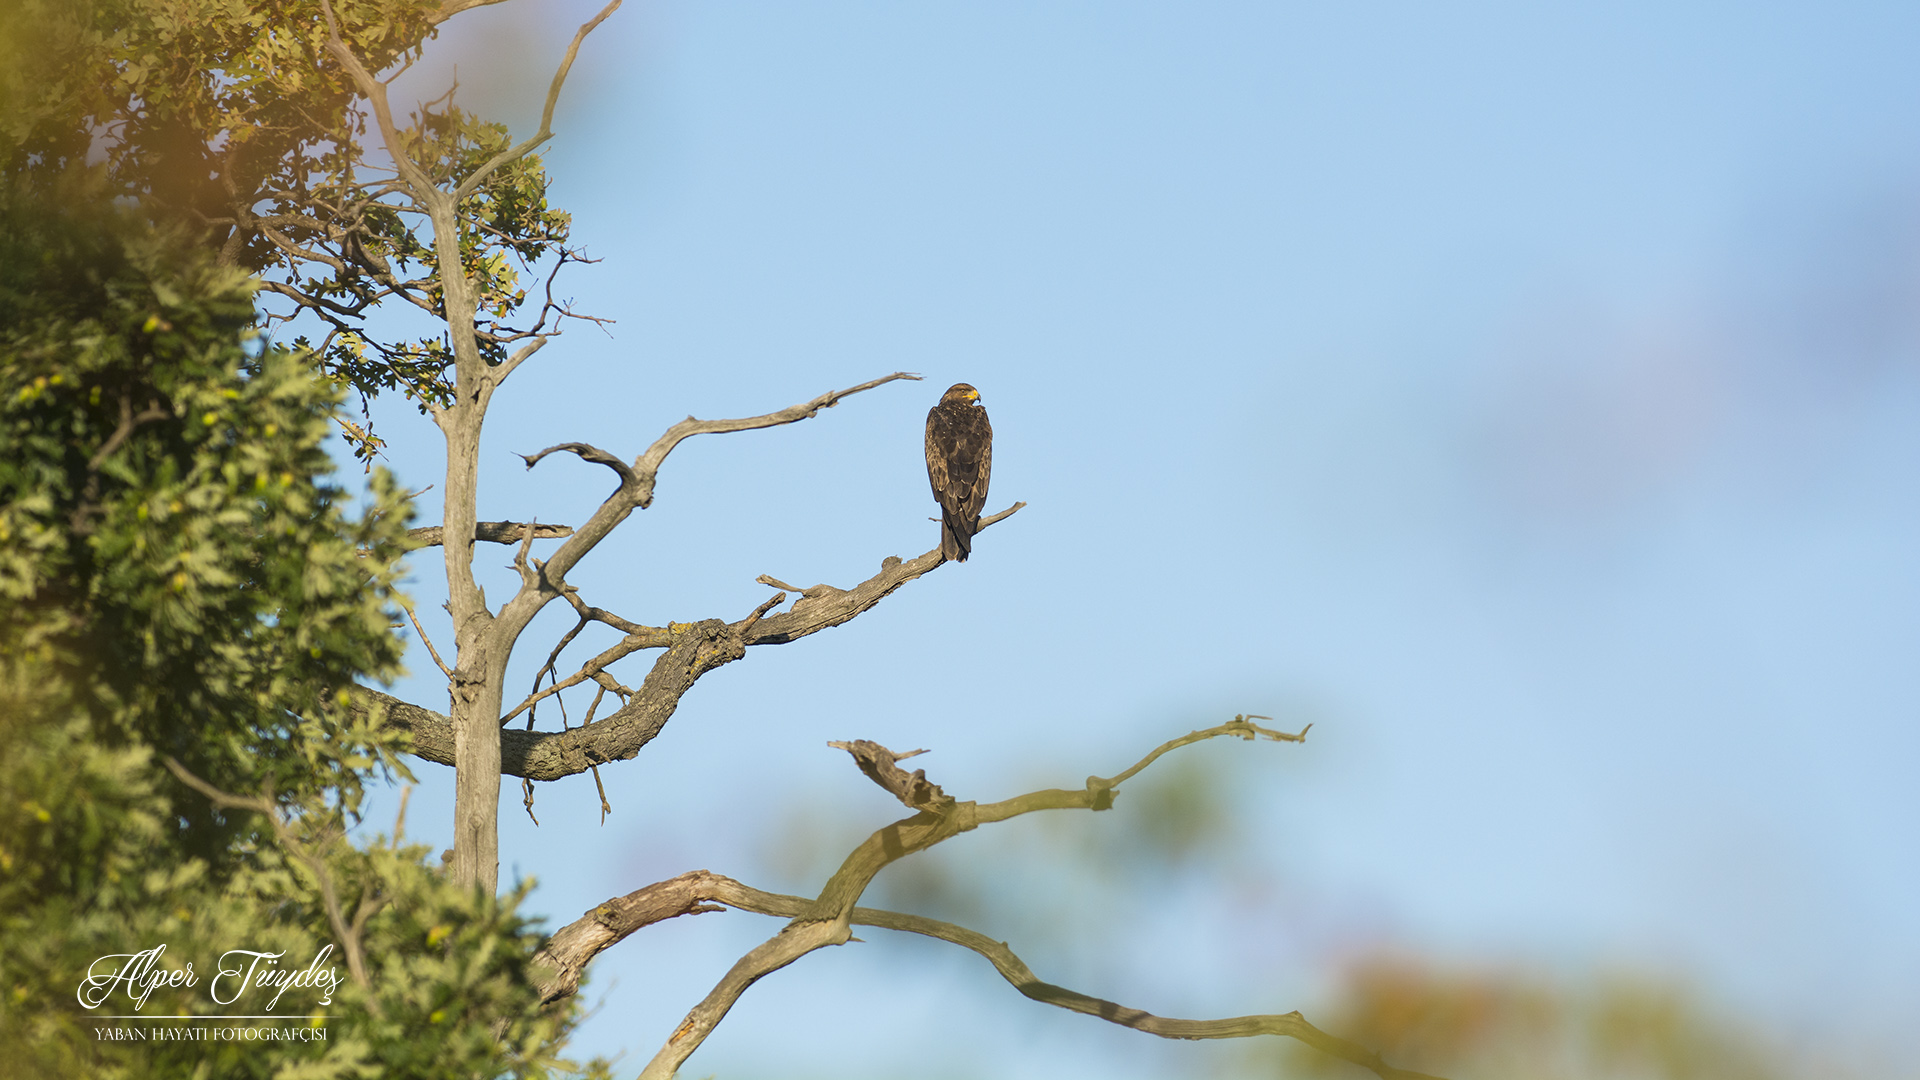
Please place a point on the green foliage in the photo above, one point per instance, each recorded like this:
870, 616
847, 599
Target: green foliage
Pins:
167, 546
179, 579
232, 120
187, 103
505, 228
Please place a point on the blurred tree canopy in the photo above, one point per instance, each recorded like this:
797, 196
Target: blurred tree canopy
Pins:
1503, 1022
184, 590
229, 121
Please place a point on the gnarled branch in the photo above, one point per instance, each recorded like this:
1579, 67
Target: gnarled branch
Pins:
554, 755
492, 532
585, 452
823, 606
568, 952
826, 920
636, 492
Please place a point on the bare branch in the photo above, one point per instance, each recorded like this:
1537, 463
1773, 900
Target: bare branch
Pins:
636, 491
520, 356
648, 464
826, 920
256, 803
449, 8
645, 637
1242, 726
605, 806
425, 640
608, 682
567, 953
911, 788
472, 183
824, 606
587, 611
417, 181
747, 624
693, 650
1288, 1025
528, 575
586, 452
492, 532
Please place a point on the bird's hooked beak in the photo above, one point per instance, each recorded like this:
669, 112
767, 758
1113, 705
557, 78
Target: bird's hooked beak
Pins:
973, 395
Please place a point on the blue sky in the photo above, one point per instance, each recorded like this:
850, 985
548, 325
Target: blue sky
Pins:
1526, 395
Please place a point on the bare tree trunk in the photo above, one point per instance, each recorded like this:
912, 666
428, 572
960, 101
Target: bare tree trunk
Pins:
479, 671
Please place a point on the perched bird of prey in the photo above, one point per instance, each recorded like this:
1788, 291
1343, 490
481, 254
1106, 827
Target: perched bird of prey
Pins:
959, 459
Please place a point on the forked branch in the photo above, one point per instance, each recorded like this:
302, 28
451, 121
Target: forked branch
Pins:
553, 755
527, 146
636, 492
827, 919
566, 955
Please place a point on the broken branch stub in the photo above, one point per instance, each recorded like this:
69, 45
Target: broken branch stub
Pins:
881, 766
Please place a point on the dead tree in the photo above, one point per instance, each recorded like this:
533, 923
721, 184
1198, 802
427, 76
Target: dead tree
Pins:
442, 175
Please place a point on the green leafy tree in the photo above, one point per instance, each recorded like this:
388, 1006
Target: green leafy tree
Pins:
184, 594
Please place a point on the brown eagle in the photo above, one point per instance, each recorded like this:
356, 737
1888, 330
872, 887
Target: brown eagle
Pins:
959, 459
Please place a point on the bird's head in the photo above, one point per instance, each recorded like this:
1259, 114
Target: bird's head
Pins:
960, 394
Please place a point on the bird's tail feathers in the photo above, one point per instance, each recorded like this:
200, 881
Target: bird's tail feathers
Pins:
956, 543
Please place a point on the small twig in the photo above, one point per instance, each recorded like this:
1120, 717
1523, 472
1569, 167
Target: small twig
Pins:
608, 682
585, 452
400, 819
747, 623
598, 693
424, 639
605, 806
1242, 726
571, 594
80, 522
547, 670
1001, 516
527, 575
647, 638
